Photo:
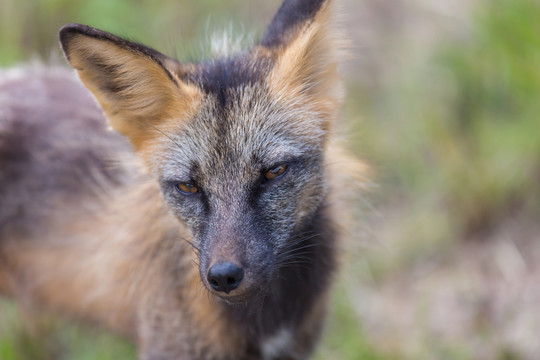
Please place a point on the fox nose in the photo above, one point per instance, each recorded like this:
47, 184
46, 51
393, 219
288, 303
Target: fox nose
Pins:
225, 277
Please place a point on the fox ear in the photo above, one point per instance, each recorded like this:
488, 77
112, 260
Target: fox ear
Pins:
136, 86
307, 50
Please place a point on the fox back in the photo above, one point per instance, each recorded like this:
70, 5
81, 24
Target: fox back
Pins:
209, 233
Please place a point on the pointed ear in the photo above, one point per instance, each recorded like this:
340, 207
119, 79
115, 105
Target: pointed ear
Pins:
306, 49
137, 87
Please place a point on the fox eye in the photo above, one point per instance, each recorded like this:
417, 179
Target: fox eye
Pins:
276, 172
186, 188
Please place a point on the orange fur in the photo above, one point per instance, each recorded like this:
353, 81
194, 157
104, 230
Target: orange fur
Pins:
307, 67
166, 103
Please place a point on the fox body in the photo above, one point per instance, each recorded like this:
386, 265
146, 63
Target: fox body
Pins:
202, 227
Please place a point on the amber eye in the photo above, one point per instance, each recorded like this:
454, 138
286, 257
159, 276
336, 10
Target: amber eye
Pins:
187, 188
275, 172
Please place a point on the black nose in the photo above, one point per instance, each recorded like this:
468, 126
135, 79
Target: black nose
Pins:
225, 277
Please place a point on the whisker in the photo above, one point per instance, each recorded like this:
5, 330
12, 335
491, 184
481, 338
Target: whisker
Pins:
194, 247
300, 238
303, 259
293, 250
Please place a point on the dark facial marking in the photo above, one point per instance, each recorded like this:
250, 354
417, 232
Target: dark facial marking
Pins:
218, 76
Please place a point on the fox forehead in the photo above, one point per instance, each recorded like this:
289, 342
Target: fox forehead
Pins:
242, 129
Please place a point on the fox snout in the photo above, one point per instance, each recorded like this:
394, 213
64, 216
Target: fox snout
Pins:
235, 280
225, 277
236, 267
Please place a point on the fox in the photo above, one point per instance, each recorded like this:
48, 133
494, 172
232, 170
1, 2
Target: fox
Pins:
190, 207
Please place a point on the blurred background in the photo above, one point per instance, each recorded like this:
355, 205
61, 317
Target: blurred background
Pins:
443, 103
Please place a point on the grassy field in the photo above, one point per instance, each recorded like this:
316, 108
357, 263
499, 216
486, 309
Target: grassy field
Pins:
444, 103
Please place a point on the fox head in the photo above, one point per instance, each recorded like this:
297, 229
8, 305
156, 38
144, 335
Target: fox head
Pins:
236, 143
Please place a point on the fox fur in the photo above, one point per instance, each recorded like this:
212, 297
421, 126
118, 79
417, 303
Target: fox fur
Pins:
94, 223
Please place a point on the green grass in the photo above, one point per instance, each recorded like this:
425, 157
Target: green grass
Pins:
344, 336
175, 27
459, 137
46, 338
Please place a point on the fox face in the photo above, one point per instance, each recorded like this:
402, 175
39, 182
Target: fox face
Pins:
236, 144
245, 178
